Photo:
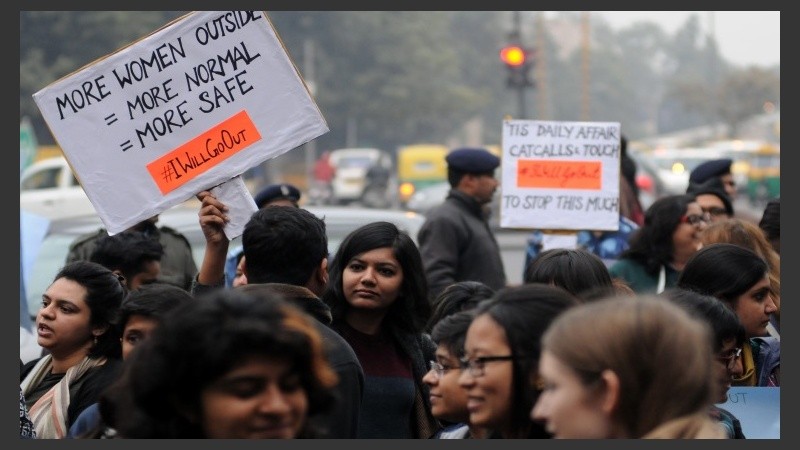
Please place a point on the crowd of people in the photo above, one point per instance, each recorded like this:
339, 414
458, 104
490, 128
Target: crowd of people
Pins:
387, 338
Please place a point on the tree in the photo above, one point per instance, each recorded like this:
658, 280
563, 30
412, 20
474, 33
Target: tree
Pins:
745, 93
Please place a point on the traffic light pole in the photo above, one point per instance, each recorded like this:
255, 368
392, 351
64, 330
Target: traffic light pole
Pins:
518, 60
517, 32
523, 111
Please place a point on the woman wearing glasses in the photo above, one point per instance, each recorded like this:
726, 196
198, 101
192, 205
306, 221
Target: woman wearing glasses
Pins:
627, 368
379, 301
448, 399
740, 278
501, 352
660, 248
727, 340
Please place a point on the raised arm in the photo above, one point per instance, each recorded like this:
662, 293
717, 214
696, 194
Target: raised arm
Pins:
212, 218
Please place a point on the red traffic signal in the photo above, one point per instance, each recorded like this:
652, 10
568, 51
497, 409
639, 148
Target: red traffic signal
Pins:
513, 55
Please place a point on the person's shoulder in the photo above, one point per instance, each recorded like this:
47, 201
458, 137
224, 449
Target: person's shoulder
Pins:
171, 232
28, 366
104, 373
453, 431
86, 238
624, 265
449, 210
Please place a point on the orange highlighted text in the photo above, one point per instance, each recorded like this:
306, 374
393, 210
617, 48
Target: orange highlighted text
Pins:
559, 174
195, 157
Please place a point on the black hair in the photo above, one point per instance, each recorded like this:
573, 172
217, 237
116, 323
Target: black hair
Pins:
524, 312
725, 271
159, 392
651, 245
771, 220
128, 252
576, 270
105, 292
451, 331
412, 309
724, 322
459, 296
283, 244
151, 300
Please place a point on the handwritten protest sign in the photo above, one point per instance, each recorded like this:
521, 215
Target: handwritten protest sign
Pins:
560, 175
758, 410
188, 107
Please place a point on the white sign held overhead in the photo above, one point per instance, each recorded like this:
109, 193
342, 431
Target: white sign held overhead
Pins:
560, 175
182, 110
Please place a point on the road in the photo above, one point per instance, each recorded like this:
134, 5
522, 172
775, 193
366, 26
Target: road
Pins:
512, 249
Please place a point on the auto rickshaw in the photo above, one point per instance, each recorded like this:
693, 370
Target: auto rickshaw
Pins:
419, 165
764, 175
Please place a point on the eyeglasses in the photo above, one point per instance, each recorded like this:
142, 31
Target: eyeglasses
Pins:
715, 211
730, 358
439, 369
477, 367
693, 219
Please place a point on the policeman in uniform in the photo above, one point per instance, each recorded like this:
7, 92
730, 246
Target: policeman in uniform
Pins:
177, 263
455, 241
715, 168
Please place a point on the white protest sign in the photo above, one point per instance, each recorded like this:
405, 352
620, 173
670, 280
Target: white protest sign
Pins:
758, 410
560, 175
184, 109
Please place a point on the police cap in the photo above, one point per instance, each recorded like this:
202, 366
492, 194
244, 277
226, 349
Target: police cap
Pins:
710, 169
275, 192
472, 160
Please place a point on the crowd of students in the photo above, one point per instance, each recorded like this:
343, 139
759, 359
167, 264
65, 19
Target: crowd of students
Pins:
350, 345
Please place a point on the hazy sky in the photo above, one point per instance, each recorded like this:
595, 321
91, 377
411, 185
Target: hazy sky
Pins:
743, 37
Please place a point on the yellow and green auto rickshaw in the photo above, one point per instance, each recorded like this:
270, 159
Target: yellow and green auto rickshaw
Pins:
764, 174
418, 166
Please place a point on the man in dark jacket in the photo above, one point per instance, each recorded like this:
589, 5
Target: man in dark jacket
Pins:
286, 254
455, 241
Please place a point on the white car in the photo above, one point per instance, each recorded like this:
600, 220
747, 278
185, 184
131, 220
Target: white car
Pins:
351, 165
428, 197
49, 188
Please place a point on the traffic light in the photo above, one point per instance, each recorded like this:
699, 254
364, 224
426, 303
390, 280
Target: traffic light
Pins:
513, 55
519, 62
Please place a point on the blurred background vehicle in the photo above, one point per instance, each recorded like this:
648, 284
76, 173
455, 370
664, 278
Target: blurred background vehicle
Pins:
420, 166
764, 175
756, 167
427, 197
49, 188
362, 174
669, 168
61, 232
